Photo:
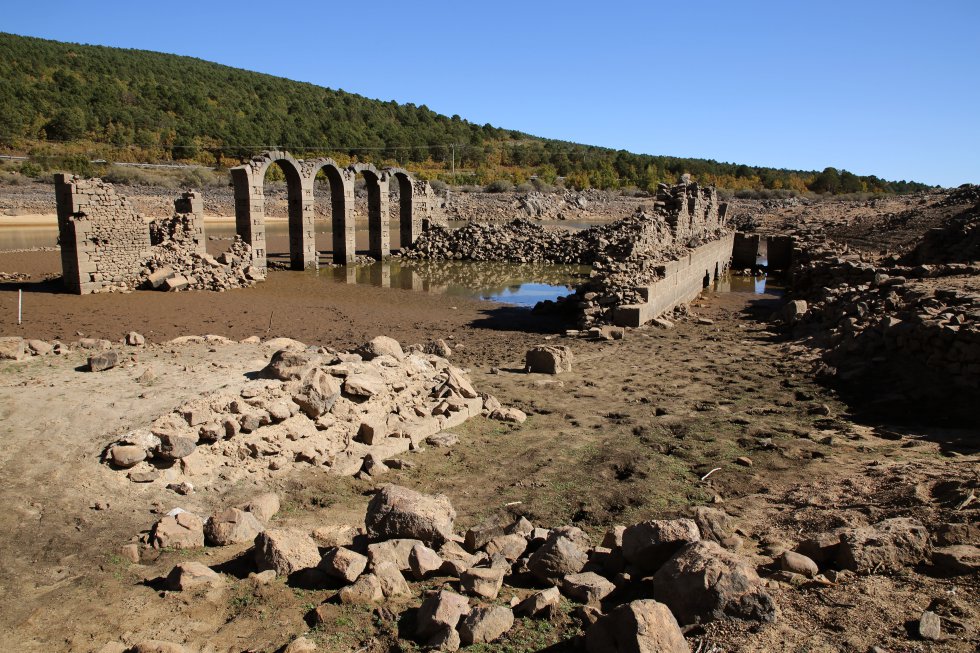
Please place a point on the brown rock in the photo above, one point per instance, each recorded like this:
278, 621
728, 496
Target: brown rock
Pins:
182, 530
538, 602
288, 365
393, 584
549, 359
557, 558
888, 545
587, 587
483, 582
398, 512
638, 627
104, 361
191, 575
396, 551
286, 551
264, 506
365, 591
423, 561
704, 582
485, 624
649, 544
439, 611
126, 455
957, 559
798, 563
343, 564
232, 526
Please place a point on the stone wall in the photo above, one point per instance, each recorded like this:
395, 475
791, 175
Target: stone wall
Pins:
102, 238
186, 226
683, 280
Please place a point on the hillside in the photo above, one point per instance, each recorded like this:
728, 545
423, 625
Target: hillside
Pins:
64, 99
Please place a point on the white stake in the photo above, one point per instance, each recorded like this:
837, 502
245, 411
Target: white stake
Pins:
20, 304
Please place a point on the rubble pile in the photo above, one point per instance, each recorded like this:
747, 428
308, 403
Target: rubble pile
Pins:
642, 588
517, 241
347, 412
536, 205
896, 332
173, 266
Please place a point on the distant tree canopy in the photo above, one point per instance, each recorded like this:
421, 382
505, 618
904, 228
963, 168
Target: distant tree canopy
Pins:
151, 106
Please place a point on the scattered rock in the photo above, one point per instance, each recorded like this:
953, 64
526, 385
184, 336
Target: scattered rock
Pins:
587, 587
888, 545
104, 361
365, 591
639, 627
704, 582
286, 551
957, 559
649, 544
423, 561
191, 575
264, 506
381, 346
485, 624
930, 626
393, 584
178, 530
398, 512
482, 582
798, 563
232, 526
537, 603
440, 611
556, 558
343, 564
549, 359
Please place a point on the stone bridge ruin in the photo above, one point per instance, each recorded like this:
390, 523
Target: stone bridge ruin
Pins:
416, 203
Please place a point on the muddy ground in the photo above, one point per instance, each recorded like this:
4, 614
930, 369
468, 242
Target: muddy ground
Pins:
627, 435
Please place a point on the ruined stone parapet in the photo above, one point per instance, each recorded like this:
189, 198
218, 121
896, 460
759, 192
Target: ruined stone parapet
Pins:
693, 211
186, 226
102, 238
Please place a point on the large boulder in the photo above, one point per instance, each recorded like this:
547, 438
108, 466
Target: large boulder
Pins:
232, 526
648, 545
397, 552
638, 627
191, 575
398, 512
704, 582
288, 365
343, 564
558, 557
888, 545
482, 581
179, 530
587, 587
485, 624
317, 394
549, 359
12, 348
439, 611
285, 551
381, 346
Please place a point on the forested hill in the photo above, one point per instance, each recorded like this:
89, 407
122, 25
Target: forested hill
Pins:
124, 104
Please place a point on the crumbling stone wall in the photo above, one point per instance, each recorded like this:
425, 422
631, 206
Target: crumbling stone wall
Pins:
102, 238
693, 211
186, 226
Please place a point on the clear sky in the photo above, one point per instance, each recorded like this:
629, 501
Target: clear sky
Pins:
886, 88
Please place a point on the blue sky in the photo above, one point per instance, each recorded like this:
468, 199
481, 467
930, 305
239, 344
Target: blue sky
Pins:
885, 88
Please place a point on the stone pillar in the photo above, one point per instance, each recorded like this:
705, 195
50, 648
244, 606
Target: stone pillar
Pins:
344, 236
302, 229
250, 212
379, 236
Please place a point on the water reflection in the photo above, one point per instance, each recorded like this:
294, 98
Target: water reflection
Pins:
756, 285
508, 283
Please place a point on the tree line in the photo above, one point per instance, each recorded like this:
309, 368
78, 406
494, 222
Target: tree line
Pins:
63, 99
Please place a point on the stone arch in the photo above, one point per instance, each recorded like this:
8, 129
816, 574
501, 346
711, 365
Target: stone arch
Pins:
341, 182
409, 224
249, 184
377, 182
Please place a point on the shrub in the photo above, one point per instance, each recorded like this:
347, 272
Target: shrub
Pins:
499, 186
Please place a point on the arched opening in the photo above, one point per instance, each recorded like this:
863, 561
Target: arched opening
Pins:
282, 191
407, 231
375, 189
327, 176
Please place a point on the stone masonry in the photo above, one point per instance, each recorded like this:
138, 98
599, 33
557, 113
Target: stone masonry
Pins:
102, 237
416, 203
186, 226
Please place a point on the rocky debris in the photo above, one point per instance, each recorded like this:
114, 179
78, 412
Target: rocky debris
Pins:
263, 506
179, 529
558, 557
704, 582
397, 552
343, 564
134, 339
127, 455
192, 575
641, 626
393, 583
380, 346
483, 582
12, 348
300, 645
316, 407
549, 359
103, 361
485, 624
957, 559
587, 587
232, 526
538, 603
888, 545
285, 551
365, 591
398, 512
648, 545
798, 564
930, 626
439, 611
423, 561
174, 265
